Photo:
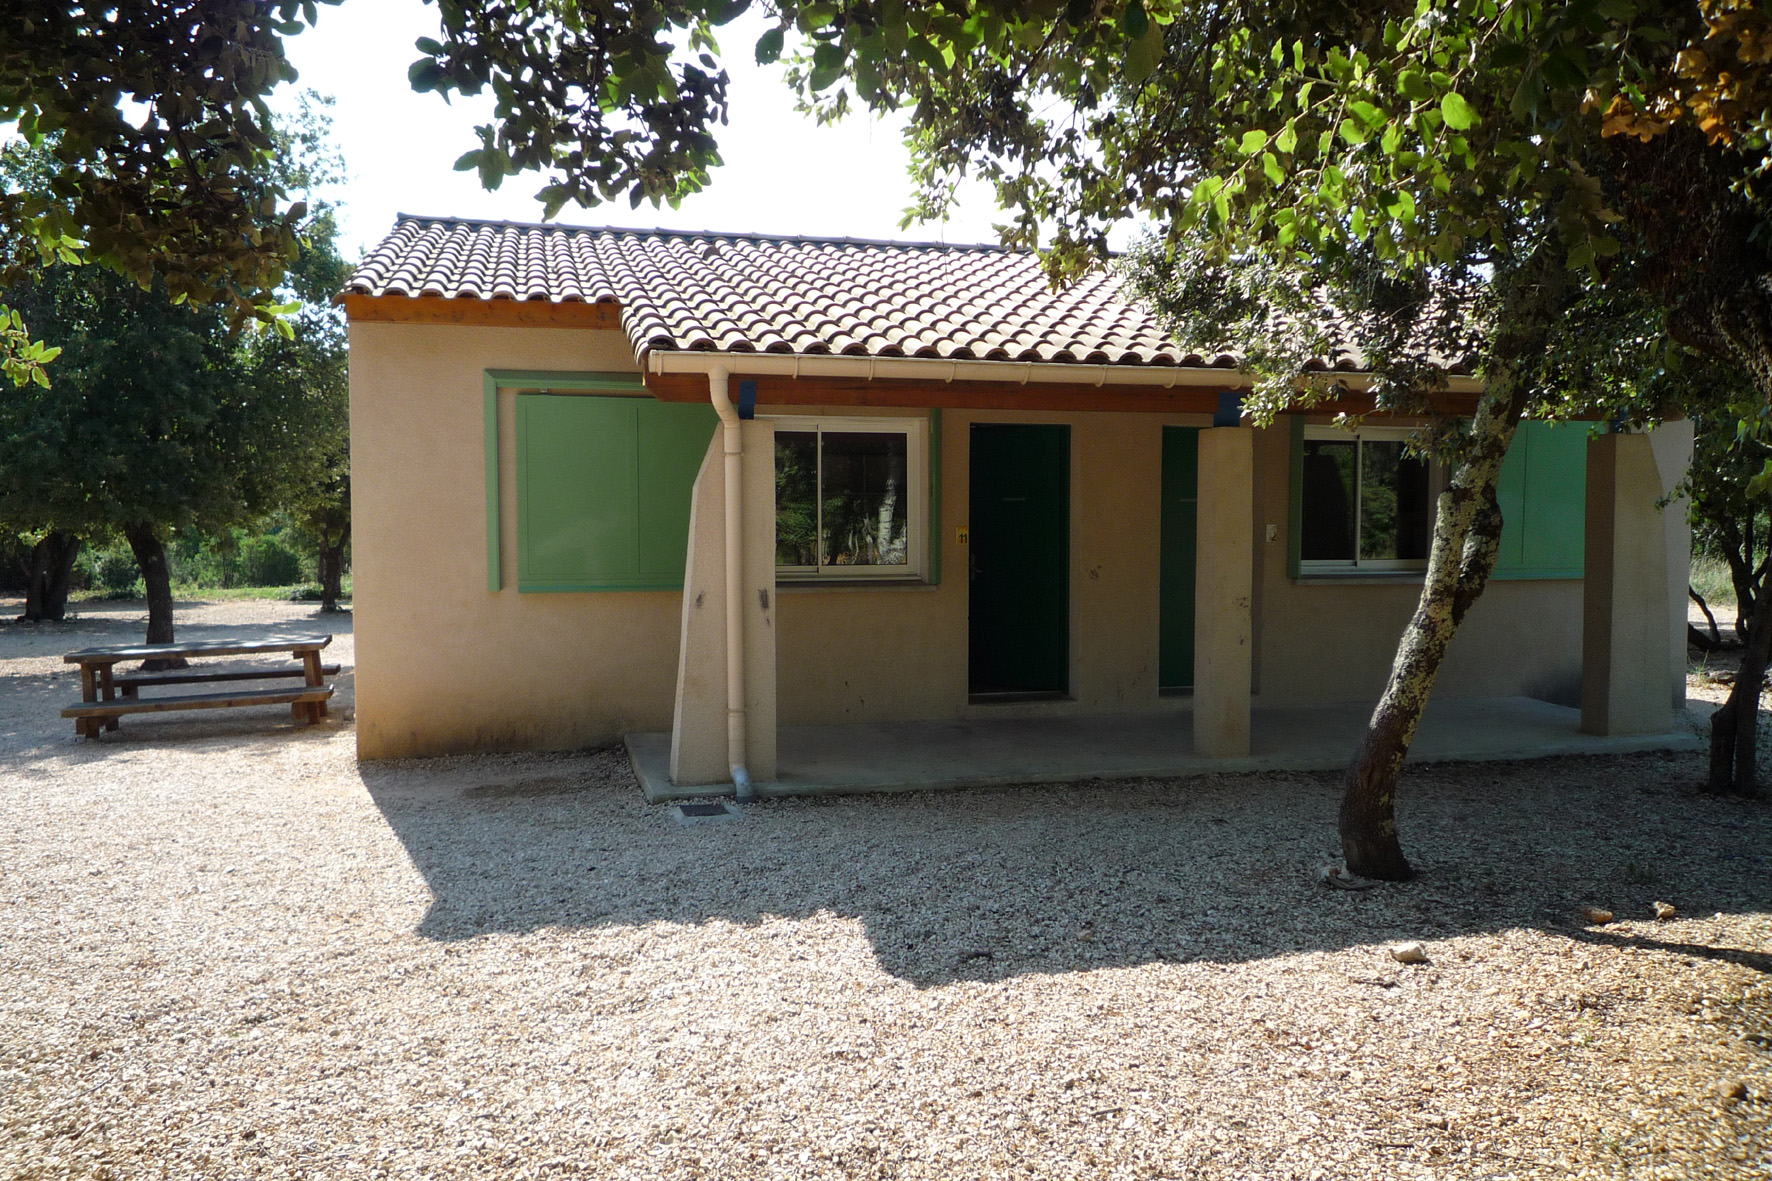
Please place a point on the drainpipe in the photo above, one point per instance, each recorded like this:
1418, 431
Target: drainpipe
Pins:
718, 379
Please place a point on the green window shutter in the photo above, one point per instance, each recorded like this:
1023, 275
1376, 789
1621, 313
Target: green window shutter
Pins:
935, 538
673, 441
1510, 493
1295, 515
603, 490
1543, 495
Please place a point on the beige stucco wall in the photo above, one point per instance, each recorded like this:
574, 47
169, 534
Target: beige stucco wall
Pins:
446, 665
443, 664
1333, 642
900, 653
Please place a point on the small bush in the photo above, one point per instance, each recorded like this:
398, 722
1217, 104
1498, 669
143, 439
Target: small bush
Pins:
311, 593
268, 561
114, 573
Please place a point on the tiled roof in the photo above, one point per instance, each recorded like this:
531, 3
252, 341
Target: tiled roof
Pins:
747, 293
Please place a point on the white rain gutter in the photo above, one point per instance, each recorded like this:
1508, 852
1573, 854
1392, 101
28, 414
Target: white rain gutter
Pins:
930, 369
1166, 377
718, 380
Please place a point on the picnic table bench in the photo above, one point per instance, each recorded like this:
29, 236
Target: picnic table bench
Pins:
100, 707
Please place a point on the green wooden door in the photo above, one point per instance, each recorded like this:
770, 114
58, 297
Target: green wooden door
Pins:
1020, 558
1180, 528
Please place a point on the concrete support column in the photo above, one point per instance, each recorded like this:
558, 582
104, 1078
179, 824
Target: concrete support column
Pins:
698, 722
1625, 615
1224, 577
1672, 444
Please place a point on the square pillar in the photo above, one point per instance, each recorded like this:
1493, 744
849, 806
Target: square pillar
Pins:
1224, 589
1625, 612
698, 721
1672, 444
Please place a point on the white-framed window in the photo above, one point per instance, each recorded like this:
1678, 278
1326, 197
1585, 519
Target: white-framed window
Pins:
850, 498
1365, 502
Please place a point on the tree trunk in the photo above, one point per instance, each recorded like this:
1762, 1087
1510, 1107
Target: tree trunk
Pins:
1715, 639
1734, 728
1467, 538
332, 569
51, 569
150, 556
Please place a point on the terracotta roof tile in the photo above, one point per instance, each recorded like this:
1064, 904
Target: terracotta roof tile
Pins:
755, 293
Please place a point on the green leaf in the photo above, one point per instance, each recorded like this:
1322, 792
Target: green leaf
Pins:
1253, 141
1353, 131
1287, 140
1270, 164
1136, 20
1458, 113
1145, 55
425, 74
1370, 114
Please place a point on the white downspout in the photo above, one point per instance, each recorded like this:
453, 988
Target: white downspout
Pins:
718, 380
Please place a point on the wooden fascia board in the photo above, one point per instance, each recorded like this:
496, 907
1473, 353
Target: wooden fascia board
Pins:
957, 395
495, 313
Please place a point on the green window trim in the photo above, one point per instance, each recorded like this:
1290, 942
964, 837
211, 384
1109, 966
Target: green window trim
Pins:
536, 381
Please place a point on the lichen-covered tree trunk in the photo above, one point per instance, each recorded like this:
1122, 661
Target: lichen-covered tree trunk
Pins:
50, 571
1467, 538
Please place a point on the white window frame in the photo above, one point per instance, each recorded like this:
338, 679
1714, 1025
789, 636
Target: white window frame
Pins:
916, 432
1373, 434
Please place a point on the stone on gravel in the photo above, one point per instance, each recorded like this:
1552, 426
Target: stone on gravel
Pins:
1409, 953
1664, 911
1596, 914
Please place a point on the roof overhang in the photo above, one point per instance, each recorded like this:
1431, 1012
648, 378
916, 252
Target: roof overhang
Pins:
823, 379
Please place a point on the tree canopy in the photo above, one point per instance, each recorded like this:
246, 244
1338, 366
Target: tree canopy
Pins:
158, 130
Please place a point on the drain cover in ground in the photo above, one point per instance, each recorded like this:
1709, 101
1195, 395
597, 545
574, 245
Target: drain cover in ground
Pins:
703, 812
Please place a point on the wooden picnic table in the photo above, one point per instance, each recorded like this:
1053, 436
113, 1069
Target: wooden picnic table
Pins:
100, 708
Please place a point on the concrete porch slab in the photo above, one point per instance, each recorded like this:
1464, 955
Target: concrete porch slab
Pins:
911, 756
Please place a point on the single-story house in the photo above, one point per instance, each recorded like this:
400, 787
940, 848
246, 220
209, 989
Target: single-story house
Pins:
612, 482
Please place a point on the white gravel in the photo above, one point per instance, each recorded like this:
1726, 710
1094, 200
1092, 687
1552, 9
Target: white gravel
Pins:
229, 951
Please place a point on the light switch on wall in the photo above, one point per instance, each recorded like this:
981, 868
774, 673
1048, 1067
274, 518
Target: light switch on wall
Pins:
1273, 532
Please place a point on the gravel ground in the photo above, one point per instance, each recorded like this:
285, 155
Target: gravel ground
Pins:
229, 951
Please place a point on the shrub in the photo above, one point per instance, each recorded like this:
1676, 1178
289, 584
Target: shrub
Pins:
268, 561
114, 572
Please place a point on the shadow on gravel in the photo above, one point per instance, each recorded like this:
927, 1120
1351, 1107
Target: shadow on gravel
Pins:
990, 884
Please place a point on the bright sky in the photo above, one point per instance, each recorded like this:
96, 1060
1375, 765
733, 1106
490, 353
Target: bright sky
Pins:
783, 173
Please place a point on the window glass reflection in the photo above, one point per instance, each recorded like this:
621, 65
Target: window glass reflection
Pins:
796, 498
1327, 533
1393, 503
864, 498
